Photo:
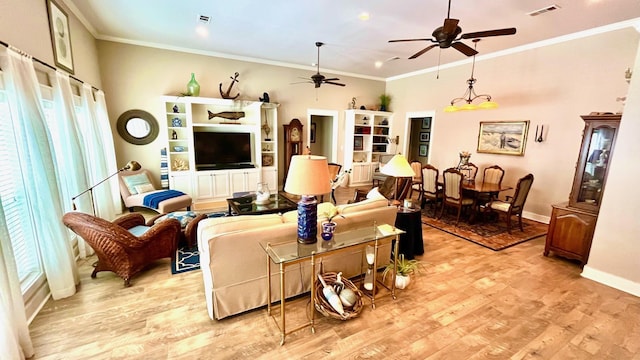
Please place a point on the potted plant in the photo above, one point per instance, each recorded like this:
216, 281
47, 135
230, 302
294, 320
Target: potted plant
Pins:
405, 269
329, 226
385, 101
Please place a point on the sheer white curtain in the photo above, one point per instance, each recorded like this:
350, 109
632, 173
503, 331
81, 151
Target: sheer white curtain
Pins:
38, 173
100, 152
15, 342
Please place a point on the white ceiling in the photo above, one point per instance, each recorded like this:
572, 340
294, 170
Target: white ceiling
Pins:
285, 31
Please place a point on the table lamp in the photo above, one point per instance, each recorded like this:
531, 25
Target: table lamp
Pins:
131, 165
397, 167
307, 176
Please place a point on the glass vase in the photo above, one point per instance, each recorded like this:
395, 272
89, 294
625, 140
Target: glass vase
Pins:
262, 193
193, 88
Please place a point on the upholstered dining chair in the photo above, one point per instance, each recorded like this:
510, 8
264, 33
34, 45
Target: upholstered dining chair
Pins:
491, 175
472, 170
126, 245
452, 192
430, 190
513, 205
416, 181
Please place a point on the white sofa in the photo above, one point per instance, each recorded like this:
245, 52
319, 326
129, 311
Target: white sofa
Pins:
234, 264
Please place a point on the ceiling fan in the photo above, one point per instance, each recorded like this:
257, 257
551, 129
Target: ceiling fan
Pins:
319, 79
448, 35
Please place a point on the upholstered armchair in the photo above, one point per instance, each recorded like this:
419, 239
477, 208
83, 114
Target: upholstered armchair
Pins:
513, 205
116, 246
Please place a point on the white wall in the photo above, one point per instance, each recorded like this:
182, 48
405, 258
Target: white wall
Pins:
615, 251
550, 86
135, 77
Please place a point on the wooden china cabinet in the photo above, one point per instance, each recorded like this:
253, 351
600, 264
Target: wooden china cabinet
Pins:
573, 223
292, 143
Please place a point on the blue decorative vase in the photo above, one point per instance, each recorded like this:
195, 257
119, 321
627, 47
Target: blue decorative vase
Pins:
193, 88
328, 228
307, 220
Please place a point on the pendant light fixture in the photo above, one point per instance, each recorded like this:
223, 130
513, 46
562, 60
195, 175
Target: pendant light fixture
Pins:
470, 95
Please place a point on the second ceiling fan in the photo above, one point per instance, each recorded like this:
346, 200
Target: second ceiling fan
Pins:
448, 35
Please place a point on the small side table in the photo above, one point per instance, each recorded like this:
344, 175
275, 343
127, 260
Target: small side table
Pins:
410, 221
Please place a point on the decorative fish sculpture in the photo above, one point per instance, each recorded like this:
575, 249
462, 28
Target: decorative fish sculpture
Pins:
231, 115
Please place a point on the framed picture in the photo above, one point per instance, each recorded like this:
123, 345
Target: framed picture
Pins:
426, 123
503, 137
358, 143
313, 132
60, 36
423, 150
424, 136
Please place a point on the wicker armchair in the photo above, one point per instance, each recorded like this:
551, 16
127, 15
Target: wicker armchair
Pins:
120, 251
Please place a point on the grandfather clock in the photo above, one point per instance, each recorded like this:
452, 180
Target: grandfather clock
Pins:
292, 143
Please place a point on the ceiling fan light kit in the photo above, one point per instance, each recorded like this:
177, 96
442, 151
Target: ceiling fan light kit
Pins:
470, 95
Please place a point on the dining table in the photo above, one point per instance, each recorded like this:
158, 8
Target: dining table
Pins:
474, 189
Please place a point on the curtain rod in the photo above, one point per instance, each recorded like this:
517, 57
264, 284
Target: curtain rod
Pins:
49, 66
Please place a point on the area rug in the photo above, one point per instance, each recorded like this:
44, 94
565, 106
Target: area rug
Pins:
186, 260
189, 259
489, 233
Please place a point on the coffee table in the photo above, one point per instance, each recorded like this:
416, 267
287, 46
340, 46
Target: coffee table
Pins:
246, 205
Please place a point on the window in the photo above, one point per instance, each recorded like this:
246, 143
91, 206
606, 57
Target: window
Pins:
14, 202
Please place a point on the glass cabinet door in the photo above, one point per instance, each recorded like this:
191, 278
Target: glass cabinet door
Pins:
591, 172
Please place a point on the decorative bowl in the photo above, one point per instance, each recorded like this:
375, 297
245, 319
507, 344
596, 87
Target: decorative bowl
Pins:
176, 122
178, 148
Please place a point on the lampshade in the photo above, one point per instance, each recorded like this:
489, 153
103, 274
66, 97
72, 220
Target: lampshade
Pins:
468, 106
488, 105
398, 166
308, 175
451, 108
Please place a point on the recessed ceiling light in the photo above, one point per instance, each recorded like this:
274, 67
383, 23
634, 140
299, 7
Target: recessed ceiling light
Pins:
379, 64
202, 31
364, 16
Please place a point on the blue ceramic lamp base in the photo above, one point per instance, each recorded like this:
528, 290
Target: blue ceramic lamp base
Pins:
307, 220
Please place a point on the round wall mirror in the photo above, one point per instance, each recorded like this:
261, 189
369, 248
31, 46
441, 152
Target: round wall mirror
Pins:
137, 127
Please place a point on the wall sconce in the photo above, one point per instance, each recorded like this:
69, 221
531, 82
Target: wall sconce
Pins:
538, 137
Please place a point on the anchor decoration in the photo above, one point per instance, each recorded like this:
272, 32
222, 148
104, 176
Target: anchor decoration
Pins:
234, 79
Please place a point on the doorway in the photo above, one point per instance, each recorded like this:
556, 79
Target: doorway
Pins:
323, 133
419, 133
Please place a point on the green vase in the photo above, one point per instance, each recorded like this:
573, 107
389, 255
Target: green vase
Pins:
193, 88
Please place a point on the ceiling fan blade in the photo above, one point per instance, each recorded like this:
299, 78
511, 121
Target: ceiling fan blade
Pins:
464, 48
401, 40
333, 83
497, 32
301, 82
450, 26
331, 79
423, 51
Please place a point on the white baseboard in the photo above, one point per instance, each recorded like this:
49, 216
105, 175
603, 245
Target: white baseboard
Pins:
611, 280
536, 217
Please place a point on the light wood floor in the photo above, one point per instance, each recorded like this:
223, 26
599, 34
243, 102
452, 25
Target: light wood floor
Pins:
467, 303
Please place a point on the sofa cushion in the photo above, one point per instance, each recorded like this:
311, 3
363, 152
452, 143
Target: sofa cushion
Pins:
184, 217
375, 194
323, 209
145, 188
227, 224
135, 180
362, 205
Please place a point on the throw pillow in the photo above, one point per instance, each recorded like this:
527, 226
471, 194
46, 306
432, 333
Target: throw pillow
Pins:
141, 189
375, 194
184, 217
134, 180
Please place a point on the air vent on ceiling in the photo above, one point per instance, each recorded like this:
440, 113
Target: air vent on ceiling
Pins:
544, 10
204, 19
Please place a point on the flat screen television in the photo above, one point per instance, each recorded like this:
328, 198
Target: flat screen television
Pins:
222, 150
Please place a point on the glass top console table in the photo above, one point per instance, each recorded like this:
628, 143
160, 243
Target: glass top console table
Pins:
285, 253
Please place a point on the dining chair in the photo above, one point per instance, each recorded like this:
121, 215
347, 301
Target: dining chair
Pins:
491, 175
416, 181
473, 171
430, 191
513, 205
452, 192
334, 172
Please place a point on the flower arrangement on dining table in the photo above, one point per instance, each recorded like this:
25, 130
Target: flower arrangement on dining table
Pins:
464, 158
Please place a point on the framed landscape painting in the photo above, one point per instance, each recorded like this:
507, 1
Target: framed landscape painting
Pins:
503, 137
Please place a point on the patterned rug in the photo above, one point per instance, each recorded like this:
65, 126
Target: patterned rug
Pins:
186, 260
489, 233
